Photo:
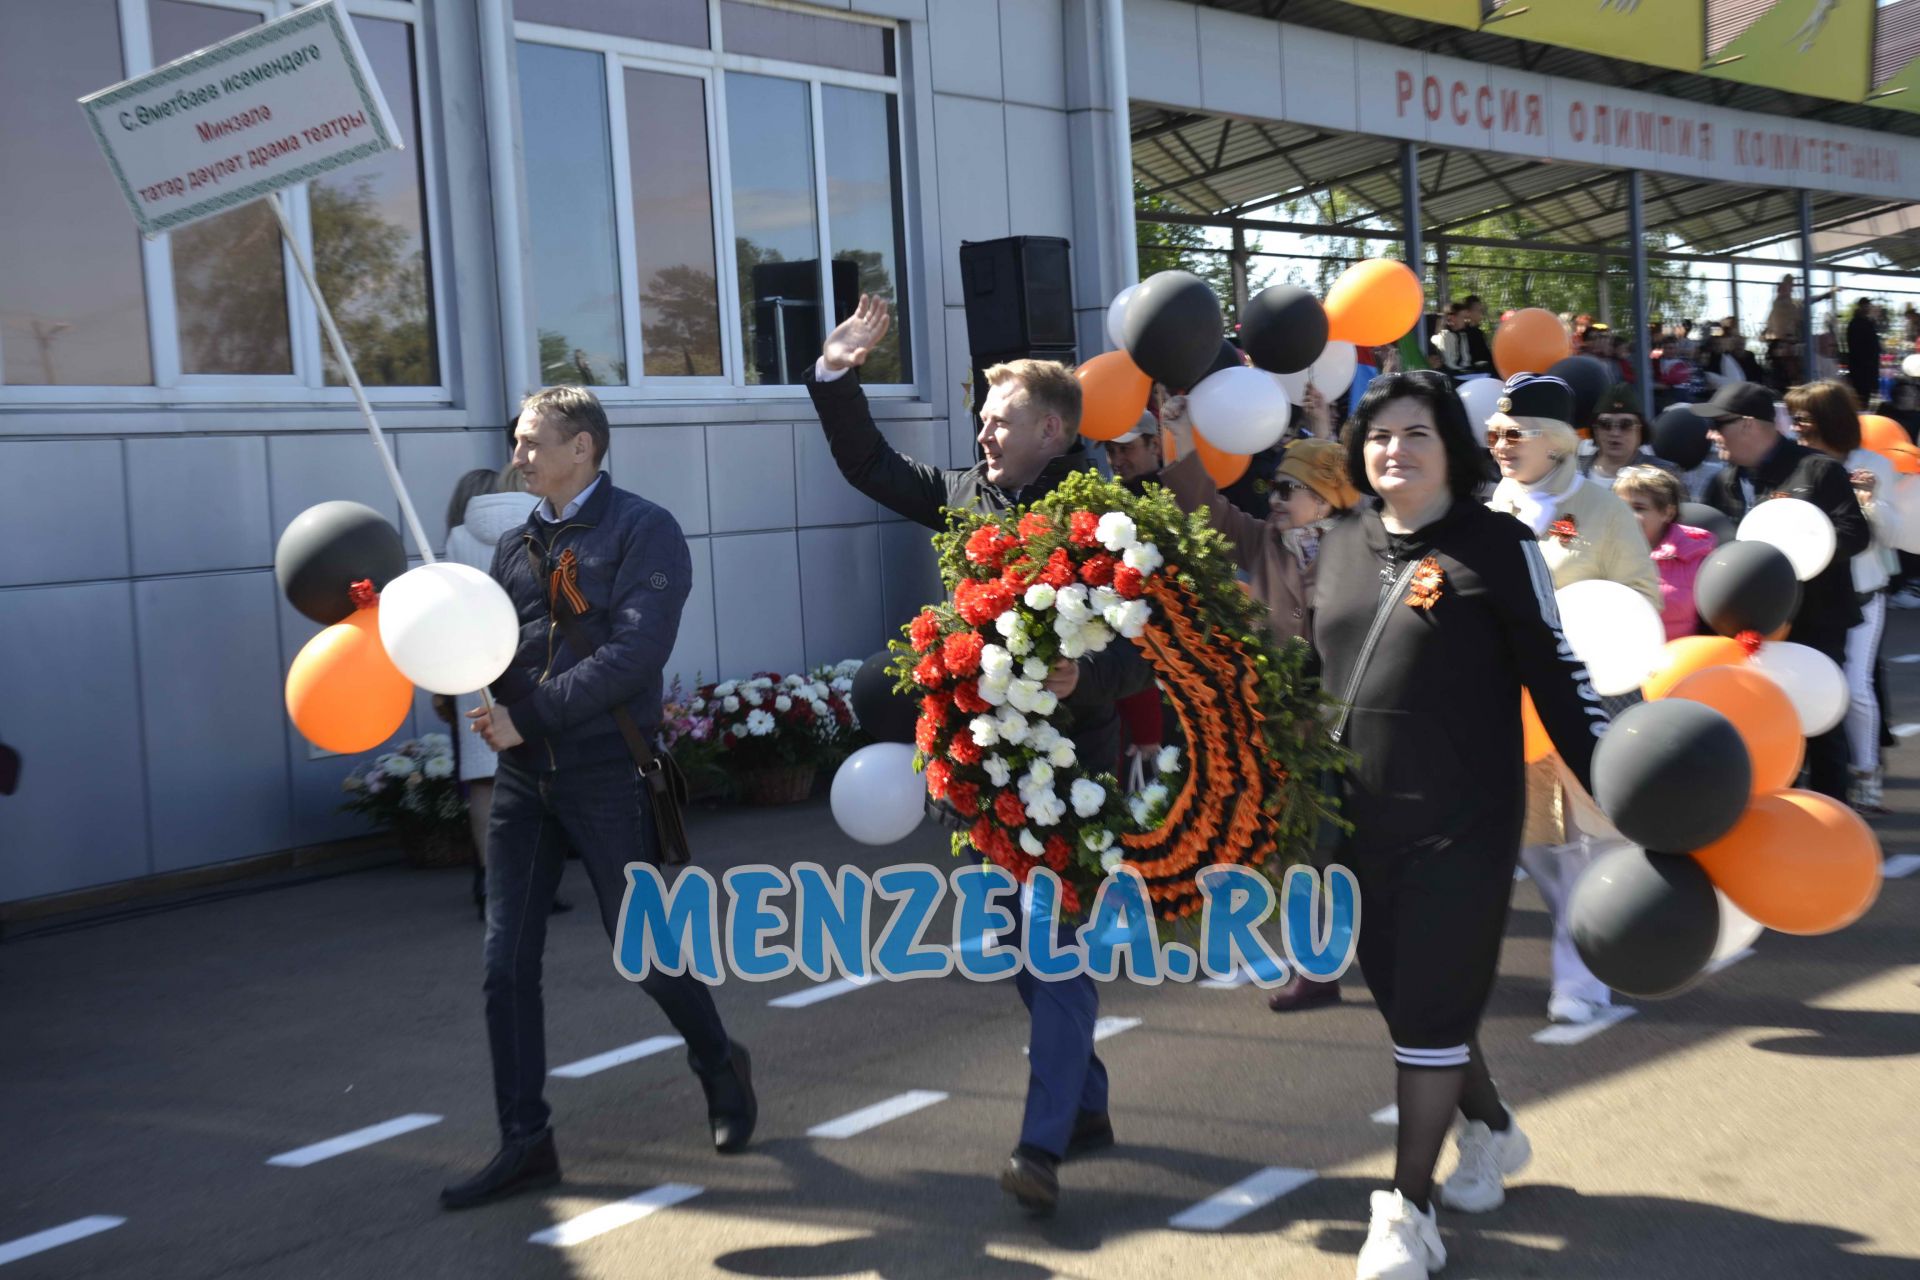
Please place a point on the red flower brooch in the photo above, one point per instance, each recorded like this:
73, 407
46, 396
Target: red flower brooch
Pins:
1563, 531
1428, 578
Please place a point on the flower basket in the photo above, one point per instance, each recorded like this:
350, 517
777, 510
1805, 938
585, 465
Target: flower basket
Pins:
413, 792
436, 847
782, 784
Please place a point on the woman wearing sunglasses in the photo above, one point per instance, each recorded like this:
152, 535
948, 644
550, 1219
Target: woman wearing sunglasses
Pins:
1430, 614
1619, 439
1584, 532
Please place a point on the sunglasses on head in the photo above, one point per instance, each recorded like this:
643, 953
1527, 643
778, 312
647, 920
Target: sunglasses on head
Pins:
1511, 435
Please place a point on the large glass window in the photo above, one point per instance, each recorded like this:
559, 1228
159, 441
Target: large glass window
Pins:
73, 301
671, 21
724, 207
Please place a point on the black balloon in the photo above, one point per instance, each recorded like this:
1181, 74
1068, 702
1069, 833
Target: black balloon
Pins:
1672, 774
1283, 328
330, 547
1228, 358
885, 715
1590, 378
1173, 328
1645, 923
1715, 521
1680, 436
1746, 586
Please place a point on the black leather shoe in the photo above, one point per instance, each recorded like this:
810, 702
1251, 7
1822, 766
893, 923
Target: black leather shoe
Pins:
520, 1166
1092, 1131
1030, 1178
1302, 992
732, 1106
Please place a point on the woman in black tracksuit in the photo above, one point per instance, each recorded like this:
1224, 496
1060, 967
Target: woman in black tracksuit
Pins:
1431, 614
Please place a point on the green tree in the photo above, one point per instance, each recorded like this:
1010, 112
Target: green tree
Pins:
1174, 246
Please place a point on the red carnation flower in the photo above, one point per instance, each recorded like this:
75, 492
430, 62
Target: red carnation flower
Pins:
965, 797
1128, 582
934, 707
1007, 806
967, 699
1059, 570
1069, 899
939, 778
963, 749
960, 654
979, 602
1035, 525
1098, 570
1058, 852
982, 836
926, 735
986, 546
1018, 574
1082, 529
925, 631
929, 673
1005, 852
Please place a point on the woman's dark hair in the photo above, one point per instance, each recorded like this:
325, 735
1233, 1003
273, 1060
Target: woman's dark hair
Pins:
1435, 391
468, 487
1831, 408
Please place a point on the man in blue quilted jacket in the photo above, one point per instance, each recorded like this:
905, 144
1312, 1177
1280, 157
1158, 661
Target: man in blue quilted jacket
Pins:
618, 566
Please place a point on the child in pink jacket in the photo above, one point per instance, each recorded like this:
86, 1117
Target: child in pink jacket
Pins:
1678, 549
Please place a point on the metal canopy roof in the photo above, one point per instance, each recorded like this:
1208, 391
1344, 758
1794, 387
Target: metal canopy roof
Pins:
1220, 166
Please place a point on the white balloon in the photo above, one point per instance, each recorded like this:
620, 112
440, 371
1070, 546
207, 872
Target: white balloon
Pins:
1240, 410
1738, 930
449, 627
1480, 395
1797, 527
1614, 631
1294, 385
1117, 317
1911, 365
1906, 501
877, 797
1812, 681
1332, 373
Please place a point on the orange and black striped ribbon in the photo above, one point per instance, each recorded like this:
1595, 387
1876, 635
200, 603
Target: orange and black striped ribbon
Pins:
566, 581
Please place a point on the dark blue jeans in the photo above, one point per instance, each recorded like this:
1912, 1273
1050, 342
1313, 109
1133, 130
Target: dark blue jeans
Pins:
1064, 1075
602, 811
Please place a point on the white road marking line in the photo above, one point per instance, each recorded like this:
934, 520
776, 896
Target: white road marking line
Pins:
1906, 658
1224, 1208
54, 1237
611, 1217
815, 994
1905, 730
1389, 1114
1106, 1027
1570, 1033
301, 1157
1727, 962
617, 1057
1900, 866
1241, 977
878, 1114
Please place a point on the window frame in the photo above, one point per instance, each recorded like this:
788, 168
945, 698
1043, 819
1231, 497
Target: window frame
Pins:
711, 65
306, 385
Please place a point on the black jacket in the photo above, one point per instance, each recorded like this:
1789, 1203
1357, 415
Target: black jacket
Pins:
1434, 717
918, 492
635, 572
1479, 353
1827, 603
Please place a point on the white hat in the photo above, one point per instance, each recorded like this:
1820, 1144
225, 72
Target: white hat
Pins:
1147, 426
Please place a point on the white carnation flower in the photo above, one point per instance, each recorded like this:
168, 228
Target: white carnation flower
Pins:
749, 695
1030, 844
1034, 669
1111, 860
1138, 808
1062, 754
1116, 531
1129, 618
1097, 839
759, 723
820, 708
998, 771
793, 682
1155, 794
1023, 694
1096, 635
1104, 598
1040, 596
840, 684
993, 690
1007, 623
1043, 737
985, 730
1018, 643
726, 687
1039, 774
1146, 557
995, 661
730, 703
1045, 809
1045, 703
436, 743
1087, 796
760, 682
398, 766
439, 767
1073, 603
850, 668
698, 704
1168, 761
783, 703
1073, 647
1012, 725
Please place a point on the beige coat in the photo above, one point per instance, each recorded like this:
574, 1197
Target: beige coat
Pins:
1277, 577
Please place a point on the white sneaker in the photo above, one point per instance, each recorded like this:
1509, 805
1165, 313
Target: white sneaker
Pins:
1571, 1009
1402, 1242
1487, 1160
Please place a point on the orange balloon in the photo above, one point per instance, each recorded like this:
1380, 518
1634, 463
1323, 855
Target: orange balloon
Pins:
1113, 395
1763, 713
343, 692
1374, 303
1905, 458
1882, 434
1222, 467
1681, 658
1538, 746
1531, 342
1797, 861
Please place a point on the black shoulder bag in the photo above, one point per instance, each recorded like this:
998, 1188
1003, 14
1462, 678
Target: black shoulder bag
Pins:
666, 784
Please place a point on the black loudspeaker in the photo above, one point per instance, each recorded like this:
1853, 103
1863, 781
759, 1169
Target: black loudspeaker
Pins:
1019, 296
786, 304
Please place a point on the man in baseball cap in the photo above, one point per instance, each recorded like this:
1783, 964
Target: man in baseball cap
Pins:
1135, 455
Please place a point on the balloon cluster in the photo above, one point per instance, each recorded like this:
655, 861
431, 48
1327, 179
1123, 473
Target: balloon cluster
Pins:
1169, 329
1699, 778
447, 628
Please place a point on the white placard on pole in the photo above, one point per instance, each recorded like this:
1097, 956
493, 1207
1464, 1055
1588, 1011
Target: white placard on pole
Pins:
267, 109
